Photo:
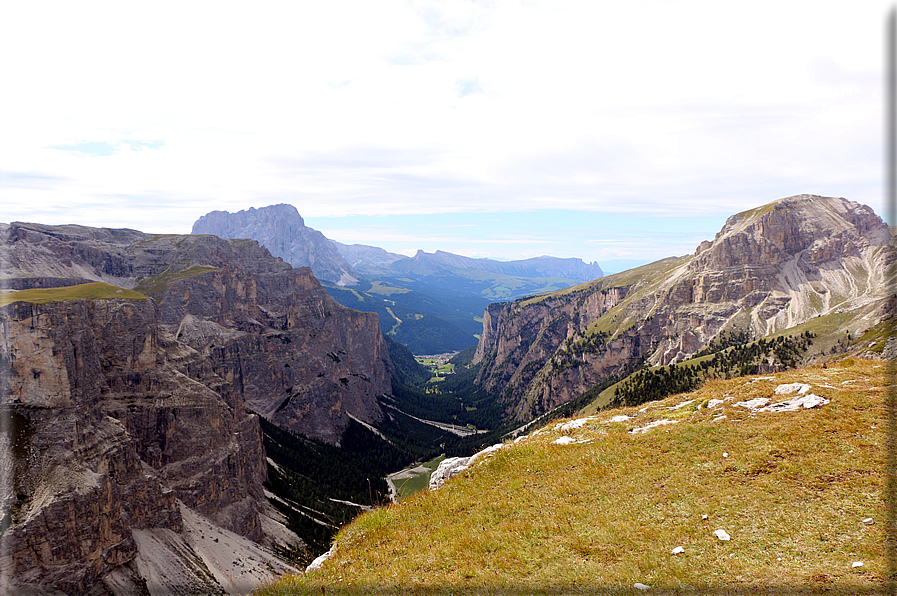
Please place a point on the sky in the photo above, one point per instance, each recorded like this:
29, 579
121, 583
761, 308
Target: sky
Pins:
616, 132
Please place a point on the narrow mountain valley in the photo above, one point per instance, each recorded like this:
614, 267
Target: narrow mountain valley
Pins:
200, 414
766, 484
431, 303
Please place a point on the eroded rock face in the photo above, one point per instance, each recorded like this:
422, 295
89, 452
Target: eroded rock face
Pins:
119, 415
768, 269
278, 341
281, 229
284, 346
105, 434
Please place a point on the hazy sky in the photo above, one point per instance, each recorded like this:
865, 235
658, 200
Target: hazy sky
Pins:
601, 130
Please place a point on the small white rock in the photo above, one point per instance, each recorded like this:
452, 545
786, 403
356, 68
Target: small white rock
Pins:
857, 564
573, 424
678, 550
564, 441
704, 516
753, 404
651, 425
317, 563
682, 405
810, 400
725, 454
722, 534
640, 586
620, 418
790, 388
868, 521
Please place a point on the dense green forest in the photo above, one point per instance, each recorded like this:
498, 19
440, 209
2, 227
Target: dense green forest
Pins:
408, 371
455, 399
307, 475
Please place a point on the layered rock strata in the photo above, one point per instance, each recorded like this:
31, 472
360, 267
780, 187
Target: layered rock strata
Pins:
125, 426
276, 338
107, 433
768, 269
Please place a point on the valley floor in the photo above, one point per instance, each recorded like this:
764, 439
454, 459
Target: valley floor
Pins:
598, 506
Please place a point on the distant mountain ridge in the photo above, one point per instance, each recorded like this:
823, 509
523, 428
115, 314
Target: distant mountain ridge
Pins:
363, 255
543, 266
432, 302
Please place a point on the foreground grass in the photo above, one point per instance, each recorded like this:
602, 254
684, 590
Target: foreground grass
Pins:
599, 515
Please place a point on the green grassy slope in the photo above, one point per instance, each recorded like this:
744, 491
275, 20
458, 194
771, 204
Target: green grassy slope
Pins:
90, 291
596, 516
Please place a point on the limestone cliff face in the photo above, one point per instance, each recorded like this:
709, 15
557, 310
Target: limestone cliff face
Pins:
124, 432
284, 346
107, 430
281, 229
281, 343
768, 269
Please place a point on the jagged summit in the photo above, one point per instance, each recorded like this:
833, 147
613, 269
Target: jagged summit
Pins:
768, 269
281, 229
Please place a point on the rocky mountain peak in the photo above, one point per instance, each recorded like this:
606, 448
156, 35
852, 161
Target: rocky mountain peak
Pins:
769, 269
282, 216
773, 233
281, 230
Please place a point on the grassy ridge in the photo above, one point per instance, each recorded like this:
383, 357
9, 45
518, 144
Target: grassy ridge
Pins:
159, 283
91, 291
791, 488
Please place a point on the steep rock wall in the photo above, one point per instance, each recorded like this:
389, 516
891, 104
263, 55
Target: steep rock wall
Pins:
768, 269
105, 434
281, 230
129, 414
282, 345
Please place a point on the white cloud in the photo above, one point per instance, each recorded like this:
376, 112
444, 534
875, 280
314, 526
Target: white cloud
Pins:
379, 107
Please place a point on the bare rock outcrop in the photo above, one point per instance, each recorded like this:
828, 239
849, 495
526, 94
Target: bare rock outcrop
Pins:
105, 433
278, 341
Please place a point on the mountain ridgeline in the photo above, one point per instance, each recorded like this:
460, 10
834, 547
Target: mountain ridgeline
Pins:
432, 302
177, 406
804, 262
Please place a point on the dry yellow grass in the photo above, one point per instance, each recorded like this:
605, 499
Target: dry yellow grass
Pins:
599, 515
89, 291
